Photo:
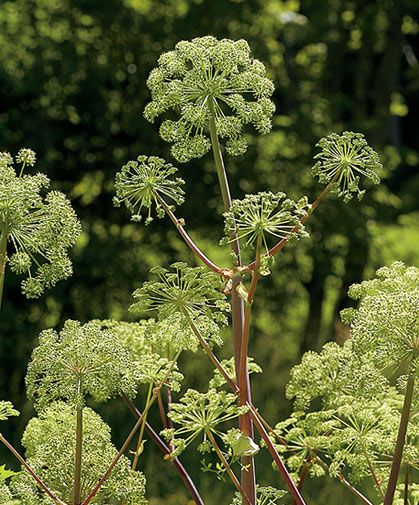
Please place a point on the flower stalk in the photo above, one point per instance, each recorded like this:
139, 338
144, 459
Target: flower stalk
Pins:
248, 479
30, 471
3, 260
401, 439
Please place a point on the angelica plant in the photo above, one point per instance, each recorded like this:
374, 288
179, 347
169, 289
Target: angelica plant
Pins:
355, 416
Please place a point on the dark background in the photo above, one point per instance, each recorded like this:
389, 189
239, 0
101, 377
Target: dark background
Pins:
72, 87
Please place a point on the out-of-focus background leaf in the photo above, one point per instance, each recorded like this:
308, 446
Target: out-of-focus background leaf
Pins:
72, 87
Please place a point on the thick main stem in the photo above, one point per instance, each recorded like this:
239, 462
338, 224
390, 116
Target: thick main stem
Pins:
184, 475
401, 438
31, 471
77, 463
248, 479
3, 260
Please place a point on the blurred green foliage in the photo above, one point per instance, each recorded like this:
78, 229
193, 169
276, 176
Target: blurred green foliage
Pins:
72, 86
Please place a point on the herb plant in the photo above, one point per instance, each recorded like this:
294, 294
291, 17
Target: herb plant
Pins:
355, 414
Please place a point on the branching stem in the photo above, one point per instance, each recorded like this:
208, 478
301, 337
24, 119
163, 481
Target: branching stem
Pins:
184, 475
128, 440
179, 224
248, 479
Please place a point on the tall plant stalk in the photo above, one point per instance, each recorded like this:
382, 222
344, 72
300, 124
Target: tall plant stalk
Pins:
79, 451
401, 438
248, 479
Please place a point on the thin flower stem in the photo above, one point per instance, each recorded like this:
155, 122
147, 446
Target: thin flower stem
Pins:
283, 242
347, 484
3, 260
189, 242
141, 435
248, 478
125, 445
184, 475
161, 410
374, 476
401, 438
275, 456
78, 456
224, 462
406, 487
31, 472
212, 356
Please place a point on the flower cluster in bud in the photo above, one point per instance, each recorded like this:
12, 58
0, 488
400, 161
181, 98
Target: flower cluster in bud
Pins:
386, 323
145, 182
200, 413
208, 80
181, 297
343, 159
39, 230
49, 442
78, 361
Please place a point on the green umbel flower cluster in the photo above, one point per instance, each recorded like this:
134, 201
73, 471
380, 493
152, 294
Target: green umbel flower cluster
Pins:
206, 80
265, 214
37, 229
355, 425
265, 495
182, 296
200, 413
50, 444
342, 161
78, 361
386, 323
144, 182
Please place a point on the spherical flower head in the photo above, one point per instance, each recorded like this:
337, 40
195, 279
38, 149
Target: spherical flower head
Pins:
205, 80
26, 157
342, 161
386, 323
40, 229
145, 182
181, 296
78, 361
49, 441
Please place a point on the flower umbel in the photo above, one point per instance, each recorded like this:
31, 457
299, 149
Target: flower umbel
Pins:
182, 295
386, 324
199, 413
342, 160
141, 183
39, 230
265, 495
205, 78
81, 360
263, 214
50, 444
